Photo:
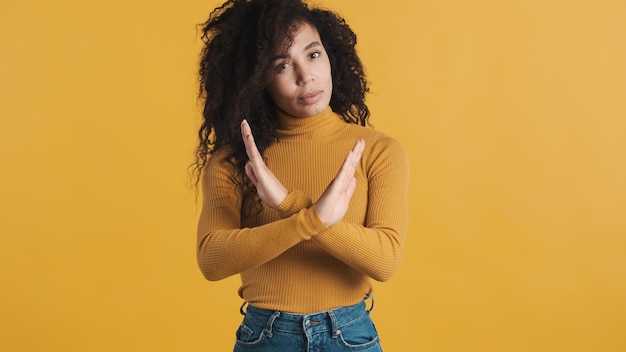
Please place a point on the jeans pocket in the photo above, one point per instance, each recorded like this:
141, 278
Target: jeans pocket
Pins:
249, 335
359, 334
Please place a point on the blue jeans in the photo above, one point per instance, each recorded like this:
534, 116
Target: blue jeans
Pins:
342, 329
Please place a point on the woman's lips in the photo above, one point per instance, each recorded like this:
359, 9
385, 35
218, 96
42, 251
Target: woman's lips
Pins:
311, 97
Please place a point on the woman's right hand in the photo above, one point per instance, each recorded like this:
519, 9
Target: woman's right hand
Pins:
333, 204
268, 187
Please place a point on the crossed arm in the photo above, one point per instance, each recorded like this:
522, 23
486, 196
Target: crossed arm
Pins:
372, 248
332, 205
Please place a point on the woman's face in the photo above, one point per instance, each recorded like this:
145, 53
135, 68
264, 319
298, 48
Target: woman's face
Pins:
299, 80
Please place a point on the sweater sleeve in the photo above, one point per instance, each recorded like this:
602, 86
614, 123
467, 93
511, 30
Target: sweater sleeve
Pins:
293, 203
376, 248
224, 248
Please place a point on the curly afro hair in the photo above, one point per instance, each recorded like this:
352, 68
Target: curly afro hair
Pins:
239, 38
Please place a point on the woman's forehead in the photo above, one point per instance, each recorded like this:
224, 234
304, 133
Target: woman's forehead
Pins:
299, 31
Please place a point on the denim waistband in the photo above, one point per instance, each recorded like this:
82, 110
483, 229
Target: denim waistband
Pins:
330, 320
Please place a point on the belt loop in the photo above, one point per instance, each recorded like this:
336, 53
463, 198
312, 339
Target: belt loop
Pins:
334, 325
270, 323
243, 312
370, 296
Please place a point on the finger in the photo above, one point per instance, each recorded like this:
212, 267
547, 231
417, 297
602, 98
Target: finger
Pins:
347, 168
352, 160
351, 187
357, 151
359, 146
248, 140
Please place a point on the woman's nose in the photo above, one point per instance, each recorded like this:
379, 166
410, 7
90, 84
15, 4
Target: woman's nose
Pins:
305, 75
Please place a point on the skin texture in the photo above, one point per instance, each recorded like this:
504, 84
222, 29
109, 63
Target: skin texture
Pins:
300, 81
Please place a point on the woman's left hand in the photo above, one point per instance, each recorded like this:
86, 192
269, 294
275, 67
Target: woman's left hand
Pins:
334, 202
268, 187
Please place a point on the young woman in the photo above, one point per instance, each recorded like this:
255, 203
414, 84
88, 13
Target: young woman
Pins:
300, 198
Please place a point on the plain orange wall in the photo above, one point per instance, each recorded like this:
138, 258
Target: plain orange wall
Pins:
514, 114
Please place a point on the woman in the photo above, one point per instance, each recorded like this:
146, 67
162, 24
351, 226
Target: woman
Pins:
300, 198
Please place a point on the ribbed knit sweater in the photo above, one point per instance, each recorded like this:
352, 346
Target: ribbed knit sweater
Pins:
287, 258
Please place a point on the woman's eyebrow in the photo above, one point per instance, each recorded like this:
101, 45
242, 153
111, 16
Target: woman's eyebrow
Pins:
311, 45
285, 55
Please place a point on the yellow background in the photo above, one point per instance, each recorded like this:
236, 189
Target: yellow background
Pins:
514, 114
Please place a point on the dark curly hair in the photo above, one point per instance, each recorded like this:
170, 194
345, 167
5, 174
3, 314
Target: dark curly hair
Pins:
239, 39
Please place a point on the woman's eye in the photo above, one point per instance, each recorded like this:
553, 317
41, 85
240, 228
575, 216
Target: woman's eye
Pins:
315, 55
282, 66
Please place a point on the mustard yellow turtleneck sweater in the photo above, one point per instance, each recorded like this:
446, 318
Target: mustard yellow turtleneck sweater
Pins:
287, 258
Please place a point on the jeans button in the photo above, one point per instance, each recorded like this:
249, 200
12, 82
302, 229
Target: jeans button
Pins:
307, 324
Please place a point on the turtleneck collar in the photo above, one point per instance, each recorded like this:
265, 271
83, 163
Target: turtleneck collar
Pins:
323, 124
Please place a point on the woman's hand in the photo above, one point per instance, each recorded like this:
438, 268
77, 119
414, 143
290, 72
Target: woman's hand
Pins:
269, 189
333, 204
